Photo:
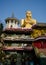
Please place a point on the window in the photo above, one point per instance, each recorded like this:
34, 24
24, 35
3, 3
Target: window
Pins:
7, 21
11, 21
15, 22
11, 26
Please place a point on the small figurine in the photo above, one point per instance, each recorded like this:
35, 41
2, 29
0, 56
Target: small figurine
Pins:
28, 21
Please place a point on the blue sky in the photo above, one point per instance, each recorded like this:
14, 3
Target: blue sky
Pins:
19, 7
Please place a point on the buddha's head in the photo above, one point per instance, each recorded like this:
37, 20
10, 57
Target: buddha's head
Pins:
28, 14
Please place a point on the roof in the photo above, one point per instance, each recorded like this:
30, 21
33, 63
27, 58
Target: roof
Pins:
10, 18
40, 38
17, 30
39, 26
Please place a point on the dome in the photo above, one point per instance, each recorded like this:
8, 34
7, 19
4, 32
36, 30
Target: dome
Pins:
12, 18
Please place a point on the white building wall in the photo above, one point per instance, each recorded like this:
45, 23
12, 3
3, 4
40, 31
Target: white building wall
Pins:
10, 24
13, 23
6, 25
16, 25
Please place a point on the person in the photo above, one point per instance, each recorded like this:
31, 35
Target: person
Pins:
28, 21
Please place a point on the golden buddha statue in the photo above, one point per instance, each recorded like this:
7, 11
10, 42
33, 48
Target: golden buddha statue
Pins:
28, 21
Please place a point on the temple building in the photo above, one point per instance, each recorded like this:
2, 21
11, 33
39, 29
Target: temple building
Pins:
22, 40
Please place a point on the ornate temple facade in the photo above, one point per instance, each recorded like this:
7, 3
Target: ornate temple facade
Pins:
22, 39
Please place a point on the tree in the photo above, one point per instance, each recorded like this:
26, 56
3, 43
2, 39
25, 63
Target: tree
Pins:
1, 28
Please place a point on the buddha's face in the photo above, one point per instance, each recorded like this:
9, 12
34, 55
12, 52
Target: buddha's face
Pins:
28, 14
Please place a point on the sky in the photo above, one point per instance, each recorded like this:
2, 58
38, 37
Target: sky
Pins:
19, 8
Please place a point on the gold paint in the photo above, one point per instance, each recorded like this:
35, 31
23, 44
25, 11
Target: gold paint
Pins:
28, 21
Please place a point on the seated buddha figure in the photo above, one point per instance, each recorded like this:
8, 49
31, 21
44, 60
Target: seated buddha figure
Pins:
28, 21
